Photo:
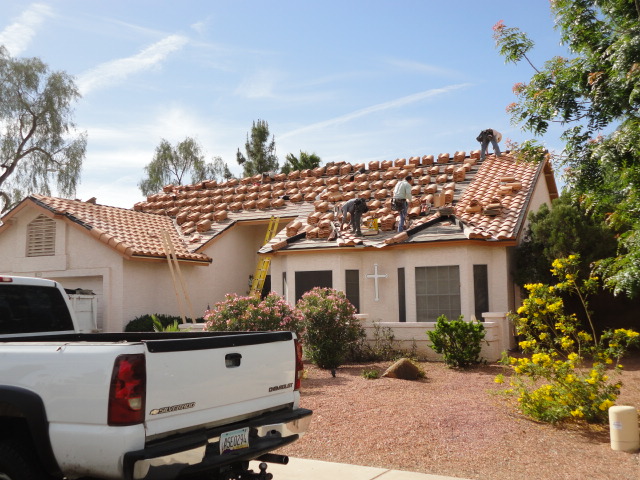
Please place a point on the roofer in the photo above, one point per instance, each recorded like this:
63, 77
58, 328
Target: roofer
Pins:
355, 207
486, 136
401, 199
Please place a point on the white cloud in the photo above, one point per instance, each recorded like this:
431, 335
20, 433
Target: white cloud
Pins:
201, 26
413, 66
261, 85
116, 71
397, 103
16, 37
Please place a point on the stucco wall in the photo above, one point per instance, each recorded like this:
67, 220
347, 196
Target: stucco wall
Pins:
412, 337
148, 286
79, 262
386, 309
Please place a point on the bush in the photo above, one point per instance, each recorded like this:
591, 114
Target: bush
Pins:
458, 341
383, 346
330, 326
370, 374
554, 383
237, 313
144, 323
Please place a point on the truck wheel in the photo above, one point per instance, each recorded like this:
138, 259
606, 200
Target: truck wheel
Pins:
18, 463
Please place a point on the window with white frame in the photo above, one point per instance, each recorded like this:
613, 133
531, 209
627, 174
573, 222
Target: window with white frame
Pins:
41, 237
437, 293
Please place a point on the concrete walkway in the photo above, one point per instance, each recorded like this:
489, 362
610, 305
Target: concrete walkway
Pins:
302, 469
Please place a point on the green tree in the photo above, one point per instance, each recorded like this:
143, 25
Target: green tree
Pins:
178, 165
37, 146
261, 153
304, 161
566, 229
595, 96
221, 170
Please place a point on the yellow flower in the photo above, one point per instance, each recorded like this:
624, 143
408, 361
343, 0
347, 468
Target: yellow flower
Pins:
570, 378
566, 342
499, 379
577, 413
606, 404
584, 336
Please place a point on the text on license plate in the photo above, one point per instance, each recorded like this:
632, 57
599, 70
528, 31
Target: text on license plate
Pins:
234, 440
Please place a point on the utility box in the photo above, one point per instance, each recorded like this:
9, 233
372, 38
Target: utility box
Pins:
86, 310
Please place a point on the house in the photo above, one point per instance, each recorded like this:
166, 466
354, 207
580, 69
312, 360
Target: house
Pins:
455, 257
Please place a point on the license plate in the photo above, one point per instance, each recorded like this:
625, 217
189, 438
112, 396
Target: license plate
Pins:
234, 440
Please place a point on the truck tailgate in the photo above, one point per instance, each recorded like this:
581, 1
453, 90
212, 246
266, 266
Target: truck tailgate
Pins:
214, 380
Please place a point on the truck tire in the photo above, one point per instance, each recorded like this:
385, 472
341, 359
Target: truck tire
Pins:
18, 463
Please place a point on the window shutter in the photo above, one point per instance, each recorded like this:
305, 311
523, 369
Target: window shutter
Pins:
41, 237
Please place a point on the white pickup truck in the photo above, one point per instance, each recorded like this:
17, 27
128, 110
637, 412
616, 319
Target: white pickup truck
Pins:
138, 405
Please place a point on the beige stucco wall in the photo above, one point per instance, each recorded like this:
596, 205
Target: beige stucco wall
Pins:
79, 262
148, 286
388, 261
129, 288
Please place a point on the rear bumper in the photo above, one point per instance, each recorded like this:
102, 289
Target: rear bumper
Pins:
199, 451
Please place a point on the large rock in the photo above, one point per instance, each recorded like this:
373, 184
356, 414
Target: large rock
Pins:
403, 369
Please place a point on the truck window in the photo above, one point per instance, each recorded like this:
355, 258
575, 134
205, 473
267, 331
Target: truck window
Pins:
30, 309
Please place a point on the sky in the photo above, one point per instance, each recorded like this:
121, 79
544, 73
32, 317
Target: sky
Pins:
348, 80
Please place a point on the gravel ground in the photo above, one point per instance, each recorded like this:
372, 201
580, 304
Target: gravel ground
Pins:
452, 423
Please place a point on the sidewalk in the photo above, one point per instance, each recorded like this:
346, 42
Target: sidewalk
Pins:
302, 469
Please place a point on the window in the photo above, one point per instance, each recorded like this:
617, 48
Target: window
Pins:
437, 293
41, 237
305, 281
27, 309
352, 284
480, 290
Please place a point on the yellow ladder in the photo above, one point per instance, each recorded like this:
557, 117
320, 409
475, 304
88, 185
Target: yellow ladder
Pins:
263, 264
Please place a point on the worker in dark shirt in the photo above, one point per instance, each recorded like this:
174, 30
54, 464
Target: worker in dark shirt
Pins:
355, 207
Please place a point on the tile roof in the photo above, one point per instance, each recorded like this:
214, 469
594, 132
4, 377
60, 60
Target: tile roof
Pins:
133, 234
454, 197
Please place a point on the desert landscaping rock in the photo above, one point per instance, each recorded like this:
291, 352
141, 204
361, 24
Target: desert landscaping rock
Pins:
403, 369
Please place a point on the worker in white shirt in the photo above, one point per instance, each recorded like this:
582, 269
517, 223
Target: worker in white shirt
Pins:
401, 199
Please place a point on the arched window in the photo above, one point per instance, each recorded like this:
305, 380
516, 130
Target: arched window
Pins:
41, 237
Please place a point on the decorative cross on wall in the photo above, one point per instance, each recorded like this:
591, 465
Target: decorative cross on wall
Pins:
375, 275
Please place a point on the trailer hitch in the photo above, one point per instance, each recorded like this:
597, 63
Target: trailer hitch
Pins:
249, 474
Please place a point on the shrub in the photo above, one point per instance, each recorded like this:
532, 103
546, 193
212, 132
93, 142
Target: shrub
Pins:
458, 341
158, 327
145, 323
238, 313
554, 383
330, 326
383, 346
370, 374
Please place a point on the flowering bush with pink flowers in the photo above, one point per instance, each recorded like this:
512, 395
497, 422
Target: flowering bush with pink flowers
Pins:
239, 313
330, 326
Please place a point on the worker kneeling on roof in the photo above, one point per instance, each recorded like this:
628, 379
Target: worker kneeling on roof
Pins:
354, 207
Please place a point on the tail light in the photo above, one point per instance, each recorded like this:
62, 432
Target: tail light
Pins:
127, 392
299, 365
